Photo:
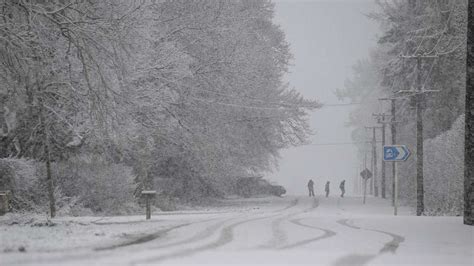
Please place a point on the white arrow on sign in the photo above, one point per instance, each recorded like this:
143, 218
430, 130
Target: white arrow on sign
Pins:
395, 153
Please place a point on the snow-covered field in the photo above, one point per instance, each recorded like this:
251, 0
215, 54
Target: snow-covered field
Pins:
291, 230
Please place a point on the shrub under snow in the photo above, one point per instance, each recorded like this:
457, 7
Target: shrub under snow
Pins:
444, 171
19, 176
96, 184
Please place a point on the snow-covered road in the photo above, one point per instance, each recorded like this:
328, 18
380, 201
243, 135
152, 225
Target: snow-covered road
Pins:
294, 230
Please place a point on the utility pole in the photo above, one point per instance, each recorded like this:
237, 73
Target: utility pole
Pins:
420, 191
381, 120
365, 179
393, 133
418, 96
395, 189
393, 130
371, 181
374, 185
374, 157
383, 162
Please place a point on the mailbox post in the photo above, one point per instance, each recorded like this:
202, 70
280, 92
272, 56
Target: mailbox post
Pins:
4, 202
148, 194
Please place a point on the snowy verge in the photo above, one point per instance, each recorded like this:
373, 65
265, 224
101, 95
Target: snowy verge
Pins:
36, 233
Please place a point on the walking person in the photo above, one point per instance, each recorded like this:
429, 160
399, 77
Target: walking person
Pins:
326, 188
342, 187
311, 188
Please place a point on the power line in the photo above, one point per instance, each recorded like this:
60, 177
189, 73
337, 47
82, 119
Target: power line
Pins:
339, 104
338, 143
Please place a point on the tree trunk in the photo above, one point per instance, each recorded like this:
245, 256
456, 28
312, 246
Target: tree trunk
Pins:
47, 155
52, 208
469, 122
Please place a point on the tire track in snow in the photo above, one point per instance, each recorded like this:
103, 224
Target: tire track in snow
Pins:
208, 231
279, 235
390, 246
211, 230
345, 222
125, 222
205, 233
101, 252
142, 239
226, 236
354, 259
359, 259
393, 245
292, 204
161, 233
327, 234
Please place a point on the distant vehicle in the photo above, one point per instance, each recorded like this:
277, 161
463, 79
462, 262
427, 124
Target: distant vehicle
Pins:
254, 186
278, 190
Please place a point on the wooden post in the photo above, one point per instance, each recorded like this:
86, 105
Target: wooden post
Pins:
4, 202
148, 194
365, 179
395, 196
383, 162
148, 210
365, 188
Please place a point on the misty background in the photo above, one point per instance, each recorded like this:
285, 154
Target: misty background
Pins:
326, 39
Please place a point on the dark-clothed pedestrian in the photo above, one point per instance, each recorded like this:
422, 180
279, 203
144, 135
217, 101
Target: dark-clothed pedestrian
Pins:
311, 188
326, 188
342, 187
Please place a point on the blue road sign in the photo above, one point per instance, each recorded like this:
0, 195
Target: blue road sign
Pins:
395, 153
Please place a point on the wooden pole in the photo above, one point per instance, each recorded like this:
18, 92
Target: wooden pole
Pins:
365, 179
148, 208
395, 201
393, 130
383, 162
374, 155
365, 188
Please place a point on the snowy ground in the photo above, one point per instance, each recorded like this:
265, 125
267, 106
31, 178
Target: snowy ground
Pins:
293, 230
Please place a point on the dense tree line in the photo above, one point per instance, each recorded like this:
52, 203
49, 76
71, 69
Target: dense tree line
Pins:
435, 30
189, 94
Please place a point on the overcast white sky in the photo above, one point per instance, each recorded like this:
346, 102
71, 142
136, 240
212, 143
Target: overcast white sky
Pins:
326, 38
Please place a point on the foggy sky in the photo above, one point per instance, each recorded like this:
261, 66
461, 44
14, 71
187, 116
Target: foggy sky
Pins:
326, 39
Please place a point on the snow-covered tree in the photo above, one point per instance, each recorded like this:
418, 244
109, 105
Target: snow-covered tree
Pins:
409, 29
190, 91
